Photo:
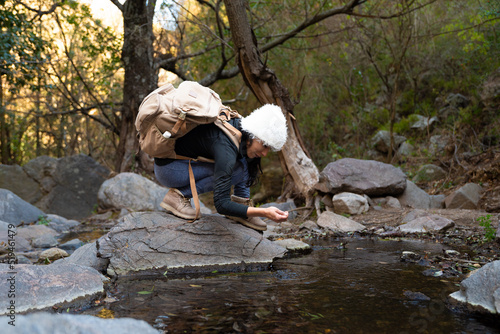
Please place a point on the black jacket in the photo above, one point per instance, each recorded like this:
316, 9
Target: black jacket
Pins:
210, 142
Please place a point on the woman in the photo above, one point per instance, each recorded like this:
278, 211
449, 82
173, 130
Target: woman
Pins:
264, 129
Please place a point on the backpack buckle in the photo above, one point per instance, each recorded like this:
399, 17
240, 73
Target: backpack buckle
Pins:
182, 115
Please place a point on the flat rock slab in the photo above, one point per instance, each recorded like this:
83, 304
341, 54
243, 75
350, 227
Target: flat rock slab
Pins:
50, 323
36, 287
338, 223
155, 242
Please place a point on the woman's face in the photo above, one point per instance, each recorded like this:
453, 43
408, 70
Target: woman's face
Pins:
255, 149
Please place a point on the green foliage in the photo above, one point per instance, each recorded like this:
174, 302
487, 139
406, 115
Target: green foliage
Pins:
490, 232
42, 220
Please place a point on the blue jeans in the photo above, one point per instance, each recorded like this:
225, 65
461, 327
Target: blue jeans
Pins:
176, 175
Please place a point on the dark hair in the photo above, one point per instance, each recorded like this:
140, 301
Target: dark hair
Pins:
254, 167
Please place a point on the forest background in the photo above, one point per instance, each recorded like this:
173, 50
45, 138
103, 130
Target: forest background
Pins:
71, 81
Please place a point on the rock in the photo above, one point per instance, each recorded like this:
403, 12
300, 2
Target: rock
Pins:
19, 243
349, 203
425, 222
405, 150
155, 242
61, 224
428, 173
71, 245
392, 202
481, 290
423, 123
408, 256
44, 241
414, 197
42, 287
86, 255
438, 144
457, 101
310, 226
437, 201
15, 210
416, 295
131, 191
382, 141
466, 197
368, 177
78, 179
293, 245
52, 254
15, 179
338, 223
49, 323
32, 232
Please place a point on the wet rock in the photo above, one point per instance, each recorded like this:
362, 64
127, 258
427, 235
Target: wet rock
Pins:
414, 197
466, 197
15, 210
310, 226
416, 296
481, 290
49, 323
52, 254
433, 272
408, 256
42, 287
86, 256
338, 223
155, 242
428, 173
132, 192
293, 245
349, 203
368, 177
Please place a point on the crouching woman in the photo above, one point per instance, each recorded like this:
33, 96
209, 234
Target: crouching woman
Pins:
263, 130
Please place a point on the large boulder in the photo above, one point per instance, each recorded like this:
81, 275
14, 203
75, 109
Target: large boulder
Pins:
369, 177
132, 192
414, 197
15, 179
67, 186
50, 323
39, 287
481, 290
466, 197
158, 243
15, 210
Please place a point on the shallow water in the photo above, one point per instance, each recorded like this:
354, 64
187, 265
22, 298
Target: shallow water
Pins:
359, 289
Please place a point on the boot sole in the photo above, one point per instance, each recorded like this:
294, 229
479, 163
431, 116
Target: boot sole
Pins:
175, 212
247, 224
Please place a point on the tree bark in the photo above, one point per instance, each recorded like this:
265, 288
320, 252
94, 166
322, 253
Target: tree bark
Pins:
301, 173
141, 77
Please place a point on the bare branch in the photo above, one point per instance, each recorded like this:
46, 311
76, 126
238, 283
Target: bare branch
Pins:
40, 12
117, 4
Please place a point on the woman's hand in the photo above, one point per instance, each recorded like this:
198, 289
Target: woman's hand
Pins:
272, 213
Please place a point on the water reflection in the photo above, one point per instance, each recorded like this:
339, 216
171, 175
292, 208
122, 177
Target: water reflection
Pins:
360, 289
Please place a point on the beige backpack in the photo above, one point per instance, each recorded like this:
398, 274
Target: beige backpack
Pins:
168, 113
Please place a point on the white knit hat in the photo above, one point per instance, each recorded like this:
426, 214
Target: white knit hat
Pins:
268, 124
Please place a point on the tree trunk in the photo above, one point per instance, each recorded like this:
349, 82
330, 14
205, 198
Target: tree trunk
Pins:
301, 173
140, 75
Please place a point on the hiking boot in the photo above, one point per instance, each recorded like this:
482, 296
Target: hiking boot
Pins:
179, 205
253, 222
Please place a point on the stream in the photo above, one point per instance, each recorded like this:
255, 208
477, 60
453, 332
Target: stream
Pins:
361, 287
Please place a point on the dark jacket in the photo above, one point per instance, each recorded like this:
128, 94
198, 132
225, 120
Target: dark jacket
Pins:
210, 142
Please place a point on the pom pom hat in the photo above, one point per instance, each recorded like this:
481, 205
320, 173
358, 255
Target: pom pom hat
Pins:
268, 124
